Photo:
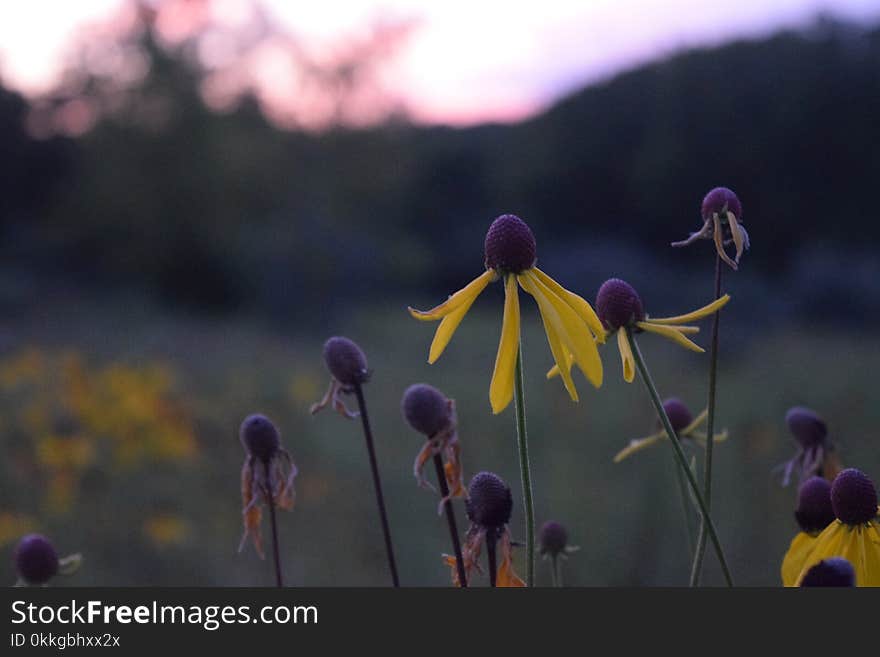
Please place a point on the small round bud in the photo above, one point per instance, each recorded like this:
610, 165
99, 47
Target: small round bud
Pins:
36, 559
260, 437
814, 511
720, 200
510, 245
346, 361
553, 538
806, 426
618, 304
853, 497
679, 415
427, 410
830, 572
489, 502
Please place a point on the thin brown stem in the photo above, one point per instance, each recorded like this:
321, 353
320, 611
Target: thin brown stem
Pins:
377, 483
270, 501
450, 517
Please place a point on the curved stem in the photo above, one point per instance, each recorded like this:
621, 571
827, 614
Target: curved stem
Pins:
377, 484
450, 517
270, 501
679, 453
525, 471
697, 567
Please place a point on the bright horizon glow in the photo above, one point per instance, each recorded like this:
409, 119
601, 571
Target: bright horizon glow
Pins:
497, 64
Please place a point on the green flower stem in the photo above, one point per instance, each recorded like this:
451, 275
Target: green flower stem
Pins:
697, 567
525, 472
685, 506
679, 453
557, 571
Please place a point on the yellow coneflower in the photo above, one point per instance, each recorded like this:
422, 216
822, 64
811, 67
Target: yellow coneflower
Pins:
855, 534
571, 325
685, 425
722, 222
619, 307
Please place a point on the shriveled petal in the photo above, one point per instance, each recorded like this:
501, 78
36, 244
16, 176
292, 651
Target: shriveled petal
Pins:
505, 576
466, 295
453, 469
579, 304
719, 243
671, 333
501, 387
251, 512
626, 356
572, 331
701, 437
736, 233
560, 354
425, 454
699, 313
638, 444
793, 562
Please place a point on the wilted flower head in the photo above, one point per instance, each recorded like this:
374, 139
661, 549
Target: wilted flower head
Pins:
855, 534
431, 413
813, 514
571, 325
815, 454
347, 364
489, 505
830, 572
721, 212
686, 426
266, 476
620, 309
36, 560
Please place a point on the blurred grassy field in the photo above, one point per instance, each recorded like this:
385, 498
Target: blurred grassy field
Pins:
170, 513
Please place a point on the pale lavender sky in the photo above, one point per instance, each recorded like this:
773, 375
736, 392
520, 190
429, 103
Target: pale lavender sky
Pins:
469, 60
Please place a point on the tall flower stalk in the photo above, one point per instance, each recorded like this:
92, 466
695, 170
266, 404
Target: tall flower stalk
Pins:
572, 327
679, 453
721, 212
347, 364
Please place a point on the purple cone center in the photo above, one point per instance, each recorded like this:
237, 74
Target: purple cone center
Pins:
489, 502
854, 497
618, 304
510, 245
36, 559
426, 409
814, 511
719, 200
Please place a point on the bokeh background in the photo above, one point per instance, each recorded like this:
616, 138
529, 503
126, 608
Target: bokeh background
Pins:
195, 194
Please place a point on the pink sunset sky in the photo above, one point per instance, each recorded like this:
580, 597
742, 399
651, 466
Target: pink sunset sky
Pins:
465, 61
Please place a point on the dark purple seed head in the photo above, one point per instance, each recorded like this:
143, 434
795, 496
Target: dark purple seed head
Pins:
260, 437
806, 426
853, 497
36, 559
814, 511
510, 245
489, 502
679, 414
618, 304
553, 538
720, 200
346, 361
426, 409
830, 572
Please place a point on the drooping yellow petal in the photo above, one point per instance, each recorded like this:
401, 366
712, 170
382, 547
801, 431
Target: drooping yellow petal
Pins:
445, 331
626, 356
638, 444
579, 304
501, 387
572, 332
465, 295
701, 437
560, 354
793, 562
719, 243
671, 333
830, 543
700, 313
736, 234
